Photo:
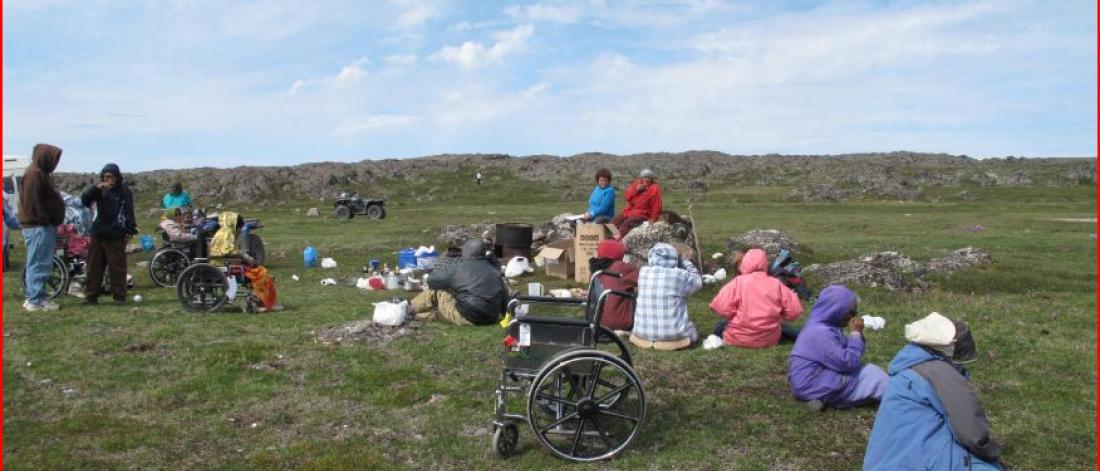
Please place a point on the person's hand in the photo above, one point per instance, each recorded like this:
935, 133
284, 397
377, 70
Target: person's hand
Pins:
855, 324
104, 185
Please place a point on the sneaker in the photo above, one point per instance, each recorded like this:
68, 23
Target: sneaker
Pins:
815, 405
32, 307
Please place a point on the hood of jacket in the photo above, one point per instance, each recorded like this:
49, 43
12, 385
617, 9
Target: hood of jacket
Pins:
663, 255
113, 170
833, 305
910, 355
754, 260
45, 157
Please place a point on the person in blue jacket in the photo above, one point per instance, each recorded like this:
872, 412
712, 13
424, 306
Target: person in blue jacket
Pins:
601, 204
930, 417
10, 222
177, 198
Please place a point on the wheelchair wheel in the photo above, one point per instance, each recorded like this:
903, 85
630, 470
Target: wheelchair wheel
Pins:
505, 439
598, 405
604, 336
202, 287
167, 265
58, 281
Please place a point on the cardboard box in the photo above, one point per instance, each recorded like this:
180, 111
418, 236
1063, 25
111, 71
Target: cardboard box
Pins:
558, 258
584, 247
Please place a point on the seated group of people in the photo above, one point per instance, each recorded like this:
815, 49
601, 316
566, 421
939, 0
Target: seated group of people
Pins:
643, 202
929, 413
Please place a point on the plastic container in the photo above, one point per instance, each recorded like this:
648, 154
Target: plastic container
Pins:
147, 244
406, 258
309, 257
427, 260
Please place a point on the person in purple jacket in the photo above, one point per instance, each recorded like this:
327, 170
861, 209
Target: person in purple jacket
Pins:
825, 366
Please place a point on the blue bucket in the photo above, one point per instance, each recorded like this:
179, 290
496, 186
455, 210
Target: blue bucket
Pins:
309, 257
406, 258
147, 244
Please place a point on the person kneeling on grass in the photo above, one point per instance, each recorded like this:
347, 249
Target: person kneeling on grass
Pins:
661, 315
825, 367
470, 292
930, 417
754, 306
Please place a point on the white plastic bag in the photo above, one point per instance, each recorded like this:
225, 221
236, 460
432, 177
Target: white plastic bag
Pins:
712, 342
362, 283
328, 282
328, 263
874, 322
387, 313
231, 291
517, 266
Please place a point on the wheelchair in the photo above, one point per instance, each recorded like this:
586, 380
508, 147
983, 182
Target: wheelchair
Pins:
207, 283
172, 258
69, 264
582, 398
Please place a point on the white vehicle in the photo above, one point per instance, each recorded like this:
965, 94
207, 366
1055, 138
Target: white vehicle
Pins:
14, 166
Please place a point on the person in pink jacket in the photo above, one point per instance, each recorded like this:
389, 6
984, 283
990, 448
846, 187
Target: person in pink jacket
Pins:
755, 305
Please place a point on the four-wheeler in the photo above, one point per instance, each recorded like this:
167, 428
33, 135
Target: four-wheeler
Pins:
350, 204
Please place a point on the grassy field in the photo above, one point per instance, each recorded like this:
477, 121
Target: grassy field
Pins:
149, 386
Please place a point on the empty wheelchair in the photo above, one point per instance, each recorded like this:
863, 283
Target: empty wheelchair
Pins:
574, 379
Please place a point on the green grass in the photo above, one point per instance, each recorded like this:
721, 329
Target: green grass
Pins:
155, 387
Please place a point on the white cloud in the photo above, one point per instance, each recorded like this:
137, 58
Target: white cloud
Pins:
540, 12
472, 54
418, 15
370, 123
348, 75
401, 59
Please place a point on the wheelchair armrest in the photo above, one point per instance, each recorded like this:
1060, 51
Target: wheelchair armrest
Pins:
548, 300
554, 321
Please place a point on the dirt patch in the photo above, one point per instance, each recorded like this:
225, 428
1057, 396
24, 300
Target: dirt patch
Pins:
366, 331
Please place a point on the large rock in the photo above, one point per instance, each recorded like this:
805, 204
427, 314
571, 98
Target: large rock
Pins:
771, 240
889, 270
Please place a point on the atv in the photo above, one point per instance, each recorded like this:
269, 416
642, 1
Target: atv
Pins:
348, 205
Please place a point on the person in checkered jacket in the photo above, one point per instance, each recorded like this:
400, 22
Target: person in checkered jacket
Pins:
661, 316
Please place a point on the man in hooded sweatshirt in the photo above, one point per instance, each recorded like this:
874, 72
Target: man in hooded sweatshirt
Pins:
470, 292
618, 312
930, 417
754, 306
41, 210
825, 366
112, 229
661, 315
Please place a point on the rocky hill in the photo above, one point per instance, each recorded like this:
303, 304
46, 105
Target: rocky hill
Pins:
895, 175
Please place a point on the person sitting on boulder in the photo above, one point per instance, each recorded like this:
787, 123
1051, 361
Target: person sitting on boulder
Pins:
643, 203
618, 312
177, 198
661, 315
470, 292
930, 417
825, 367
601, 204
754, 305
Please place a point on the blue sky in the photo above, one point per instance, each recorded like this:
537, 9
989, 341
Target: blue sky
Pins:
172, 84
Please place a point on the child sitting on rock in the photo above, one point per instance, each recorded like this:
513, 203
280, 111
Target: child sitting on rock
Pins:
661, 316
754, 306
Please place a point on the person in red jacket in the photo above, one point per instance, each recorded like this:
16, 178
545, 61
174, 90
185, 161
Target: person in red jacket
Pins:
643, 203
618, 312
